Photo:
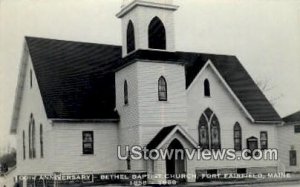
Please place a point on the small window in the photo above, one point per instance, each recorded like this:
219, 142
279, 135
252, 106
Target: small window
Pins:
162, 89
206, 88
293, 158
297, 128
87, 142
41, 141
125, 93
130, 37
30, 78
237, 137
264, 140
156, 34
24, 148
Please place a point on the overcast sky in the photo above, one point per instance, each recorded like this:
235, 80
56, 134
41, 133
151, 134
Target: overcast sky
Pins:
263, 34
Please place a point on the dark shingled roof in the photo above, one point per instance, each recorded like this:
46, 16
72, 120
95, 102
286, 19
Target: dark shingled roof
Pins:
77, 79
160, 136
295, 117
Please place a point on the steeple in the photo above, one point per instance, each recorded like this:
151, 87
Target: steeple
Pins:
147, 24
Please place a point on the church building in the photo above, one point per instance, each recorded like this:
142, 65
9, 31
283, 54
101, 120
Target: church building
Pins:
77, 102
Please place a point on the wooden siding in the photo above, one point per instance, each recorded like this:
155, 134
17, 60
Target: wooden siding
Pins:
287, 139
228, 112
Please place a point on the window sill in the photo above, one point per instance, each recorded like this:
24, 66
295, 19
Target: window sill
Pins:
88, 155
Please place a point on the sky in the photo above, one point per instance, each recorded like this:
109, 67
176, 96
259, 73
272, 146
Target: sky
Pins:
263, 34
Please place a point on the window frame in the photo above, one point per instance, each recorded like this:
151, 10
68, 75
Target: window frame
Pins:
296, 128
293, 162
157, 35
130, 37
125, 93
237, 129
264, 140
88, 151
206, 90
162, 89
41, 141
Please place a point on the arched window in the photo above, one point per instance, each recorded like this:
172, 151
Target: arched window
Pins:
24, 148
162, 89
203, 133
206, 88
209, 131
31, 137
41, 141
125, 93
156, 34
215, 133
130, 37
237, 137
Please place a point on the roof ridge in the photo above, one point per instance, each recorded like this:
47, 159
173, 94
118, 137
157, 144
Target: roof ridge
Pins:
71, 41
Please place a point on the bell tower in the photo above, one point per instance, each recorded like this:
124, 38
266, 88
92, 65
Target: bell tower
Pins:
147, 24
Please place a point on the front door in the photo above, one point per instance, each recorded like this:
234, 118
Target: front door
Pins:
175, 166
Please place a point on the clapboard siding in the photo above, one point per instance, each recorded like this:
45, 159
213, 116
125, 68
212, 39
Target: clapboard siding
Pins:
228, 112
32, 103
129, 114
287, 139
156, 114
68, 147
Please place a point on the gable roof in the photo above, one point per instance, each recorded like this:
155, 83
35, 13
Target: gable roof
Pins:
295, 117
162, 135
229, 68
76, 79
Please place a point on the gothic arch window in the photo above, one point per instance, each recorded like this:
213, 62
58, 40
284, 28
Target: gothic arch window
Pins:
206, 88
203, 133
162, 89
237, 137
215, 133
125, 93
156, 34
31, 137
209, 131
130, 37
41, 141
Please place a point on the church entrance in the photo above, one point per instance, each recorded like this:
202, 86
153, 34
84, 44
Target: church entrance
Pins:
176, 165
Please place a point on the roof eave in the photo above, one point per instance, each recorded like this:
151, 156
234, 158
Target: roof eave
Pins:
275, 122
105, 120
136, 3
19, 89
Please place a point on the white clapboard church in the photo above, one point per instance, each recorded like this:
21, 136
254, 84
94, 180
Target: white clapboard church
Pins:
76, 102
